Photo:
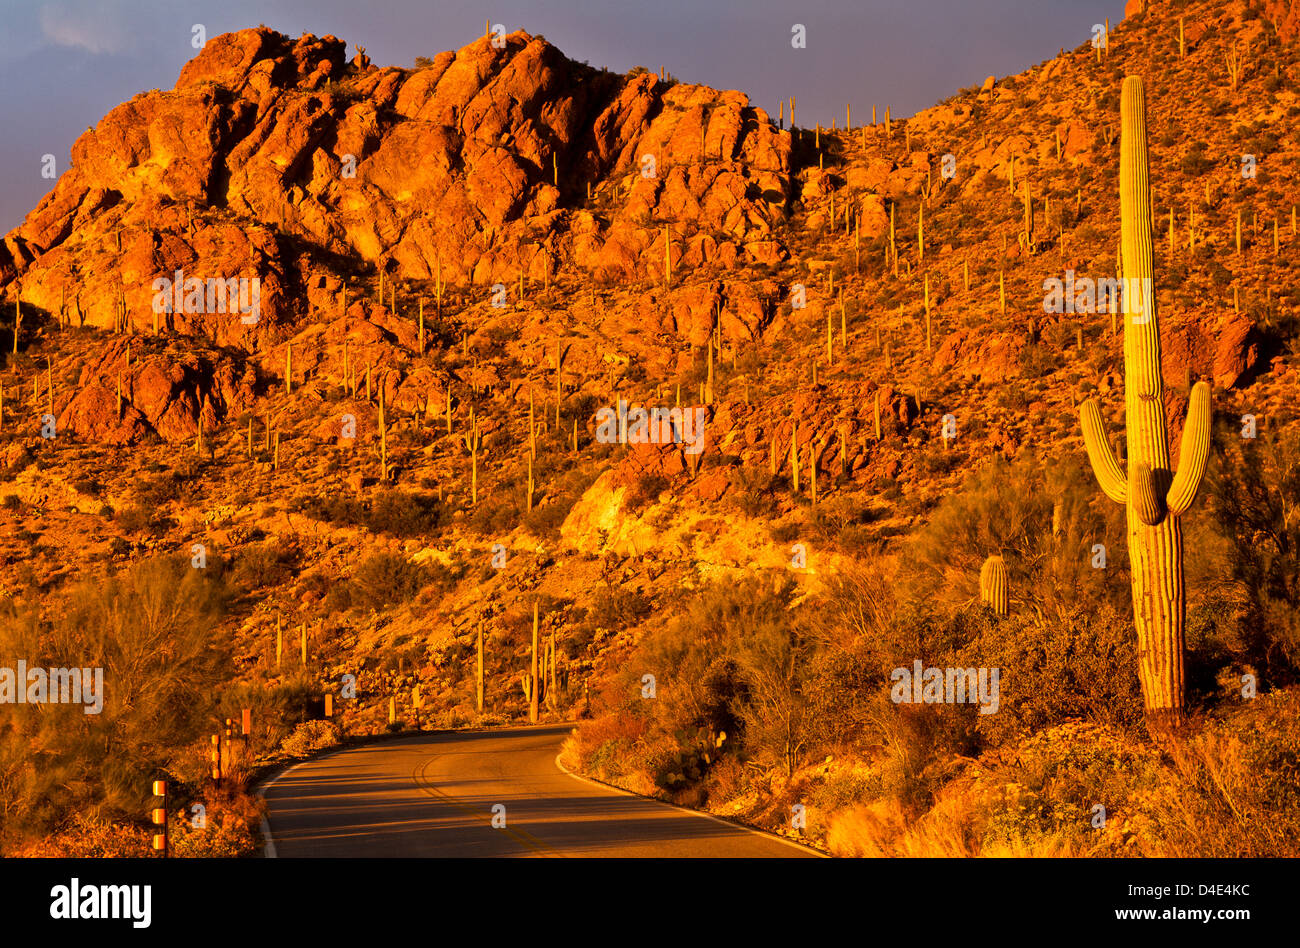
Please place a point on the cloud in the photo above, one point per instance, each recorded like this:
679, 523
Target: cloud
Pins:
94, 29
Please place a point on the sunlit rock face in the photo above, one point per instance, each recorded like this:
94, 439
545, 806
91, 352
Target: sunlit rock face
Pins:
277, 159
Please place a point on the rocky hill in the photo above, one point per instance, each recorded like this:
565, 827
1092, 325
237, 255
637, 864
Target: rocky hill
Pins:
459, 265
279, 158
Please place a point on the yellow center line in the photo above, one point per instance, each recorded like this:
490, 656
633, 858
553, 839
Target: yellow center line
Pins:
422, 781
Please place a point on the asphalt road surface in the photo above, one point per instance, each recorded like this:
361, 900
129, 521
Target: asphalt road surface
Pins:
433, 796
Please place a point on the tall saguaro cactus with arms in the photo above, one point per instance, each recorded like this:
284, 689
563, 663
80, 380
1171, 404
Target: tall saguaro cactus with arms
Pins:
1154, 495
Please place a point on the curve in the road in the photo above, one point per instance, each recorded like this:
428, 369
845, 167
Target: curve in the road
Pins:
435, 795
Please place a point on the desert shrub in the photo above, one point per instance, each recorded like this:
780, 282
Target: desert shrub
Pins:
920, 744
1196, 163
332, 508
150, 629
843, 675
1008, 508
1083, 665
729, 778
544, 520
83, 836
644, 492
386, 580
1039, 361
87, 486
277, 706
1076, 662
604, 746
755, 491
338, 599
786, 532
845, 787
167, 487
846, 523
316, 584
311, 736
497, 517
563, 488
732, 657
613, 607
403, 514
1228, 789
766, 693
395, 512
226, 834
1233, 789
722, 666
1252, 495
269, 563
135, 518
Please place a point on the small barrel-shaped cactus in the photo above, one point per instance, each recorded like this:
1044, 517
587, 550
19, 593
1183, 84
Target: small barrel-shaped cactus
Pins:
993, 585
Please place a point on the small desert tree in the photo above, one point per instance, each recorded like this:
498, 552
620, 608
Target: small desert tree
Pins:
149, 629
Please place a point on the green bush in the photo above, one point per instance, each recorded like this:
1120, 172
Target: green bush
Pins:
1083, 665
613, 607
384, 580
394, 512
1252, 490
1007, 508
150, 628
311, 736
269, 563
732, 662
135, 518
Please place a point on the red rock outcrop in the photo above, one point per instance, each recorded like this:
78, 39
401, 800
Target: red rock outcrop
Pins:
1285, 15
1220, 347
476, 167
165, 393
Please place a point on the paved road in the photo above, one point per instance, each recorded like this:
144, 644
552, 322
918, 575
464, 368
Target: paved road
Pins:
433, 795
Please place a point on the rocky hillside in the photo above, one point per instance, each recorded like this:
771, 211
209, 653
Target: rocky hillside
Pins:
282, 159
460, 264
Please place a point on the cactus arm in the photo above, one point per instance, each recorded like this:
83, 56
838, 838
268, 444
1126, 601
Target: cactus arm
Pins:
1104, 466
1147, 502
1194, 452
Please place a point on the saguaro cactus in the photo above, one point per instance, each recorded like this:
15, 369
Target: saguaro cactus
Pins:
1155, 496
479, 673
473, 441
550, 667
993, 585
533, 679
383, 438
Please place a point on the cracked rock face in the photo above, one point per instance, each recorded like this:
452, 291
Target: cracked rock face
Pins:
474, 168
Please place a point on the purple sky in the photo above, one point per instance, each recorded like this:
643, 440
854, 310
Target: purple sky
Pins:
65, 63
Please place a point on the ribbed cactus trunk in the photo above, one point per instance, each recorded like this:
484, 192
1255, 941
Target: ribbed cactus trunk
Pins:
479, 673
994, 591
1155, 548
1153, 495
533, 678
